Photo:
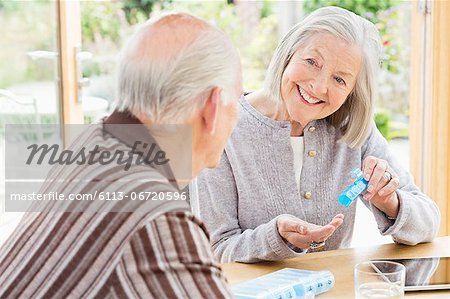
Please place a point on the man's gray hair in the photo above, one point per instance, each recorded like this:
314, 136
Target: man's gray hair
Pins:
355, 117
171, 88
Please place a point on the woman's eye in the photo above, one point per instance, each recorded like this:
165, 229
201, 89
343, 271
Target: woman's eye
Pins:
340, 80
310, 61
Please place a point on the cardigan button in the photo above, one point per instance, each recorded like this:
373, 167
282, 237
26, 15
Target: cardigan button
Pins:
307, 195
312, 154
311, 129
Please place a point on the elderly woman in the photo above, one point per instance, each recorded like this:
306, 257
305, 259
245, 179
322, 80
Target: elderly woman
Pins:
275, 193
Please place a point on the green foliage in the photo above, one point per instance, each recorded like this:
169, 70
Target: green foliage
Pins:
398, 129
14, 5
100, 19
258, 51
256, 45
220, 13
105, 19
139, 10
364, 8
91, 69
266, 9
25, 27
382, 120
8, 5
109, 21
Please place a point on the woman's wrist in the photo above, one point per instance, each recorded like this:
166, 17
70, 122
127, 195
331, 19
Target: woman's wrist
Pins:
392, 207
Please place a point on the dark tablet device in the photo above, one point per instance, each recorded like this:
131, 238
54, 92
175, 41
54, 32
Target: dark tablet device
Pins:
427, 273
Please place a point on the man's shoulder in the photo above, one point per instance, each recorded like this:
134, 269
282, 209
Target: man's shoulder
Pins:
182, 216
178, 227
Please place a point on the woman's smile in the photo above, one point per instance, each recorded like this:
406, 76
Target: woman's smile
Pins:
308, 99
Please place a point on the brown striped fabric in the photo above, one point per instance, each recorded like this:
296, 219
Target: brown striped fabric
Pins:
118, 250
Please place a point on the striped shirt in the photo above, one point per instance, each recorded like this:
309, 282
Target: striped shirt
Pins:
123, 249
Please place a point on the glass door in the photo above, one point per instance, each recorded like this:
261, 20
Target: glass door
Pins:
30, 85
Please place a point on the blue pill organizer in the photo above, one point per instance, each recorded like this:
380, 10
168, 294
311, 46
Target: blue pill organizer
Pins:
285, 284
352, 193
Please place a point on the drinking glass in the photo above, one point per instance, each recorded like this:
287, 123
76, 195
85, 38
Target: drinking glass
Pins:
379, 279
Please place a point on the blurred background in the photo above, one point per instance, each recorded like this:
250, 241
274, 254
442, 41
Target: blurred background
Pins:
29, 47
58, 61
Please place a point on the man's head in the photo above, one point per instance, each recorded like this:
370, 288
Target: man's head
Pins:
178, 69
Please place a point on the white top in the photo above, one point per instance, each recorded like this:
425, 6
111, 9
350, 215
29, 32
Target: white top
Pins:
298, 149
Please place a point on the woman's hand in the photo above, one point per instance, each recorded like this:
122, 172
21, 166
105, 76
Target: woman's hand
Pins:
383, 183
301, 233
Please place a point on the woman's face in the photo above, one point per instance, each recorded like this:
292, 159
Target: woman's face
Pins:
319, 77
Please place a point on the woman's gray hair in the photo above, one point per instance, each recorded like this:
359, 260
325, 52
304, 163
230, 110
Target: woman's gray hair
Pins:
355, 116
172, 88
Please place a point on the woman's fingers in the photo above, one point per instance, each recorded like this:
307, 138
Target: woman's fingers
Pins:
374, 170
337, 220
369, 164
383, 182
291, 224
382, 185
322, 233
377, 175
391, 186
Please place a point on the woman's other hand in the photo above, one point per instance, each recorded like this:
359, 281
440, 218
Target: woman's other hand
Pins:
301, 233
383, 183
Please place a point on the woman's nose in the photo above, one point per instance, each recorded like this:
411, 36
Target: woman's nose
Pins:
319, 85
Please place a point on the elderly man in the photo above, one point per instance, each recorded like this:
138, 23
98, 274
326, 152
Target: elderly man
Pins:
176, 69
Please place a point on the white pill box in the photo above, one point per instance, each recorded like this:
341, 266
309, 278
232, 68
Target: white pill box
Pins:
285, 284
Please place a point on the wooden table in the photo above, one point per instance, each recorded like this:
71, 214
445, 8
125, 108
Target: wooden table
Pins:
341, 263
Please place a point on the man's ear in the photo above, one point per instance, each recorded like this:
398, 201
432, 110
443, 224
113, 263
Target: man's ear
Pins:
210, 110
